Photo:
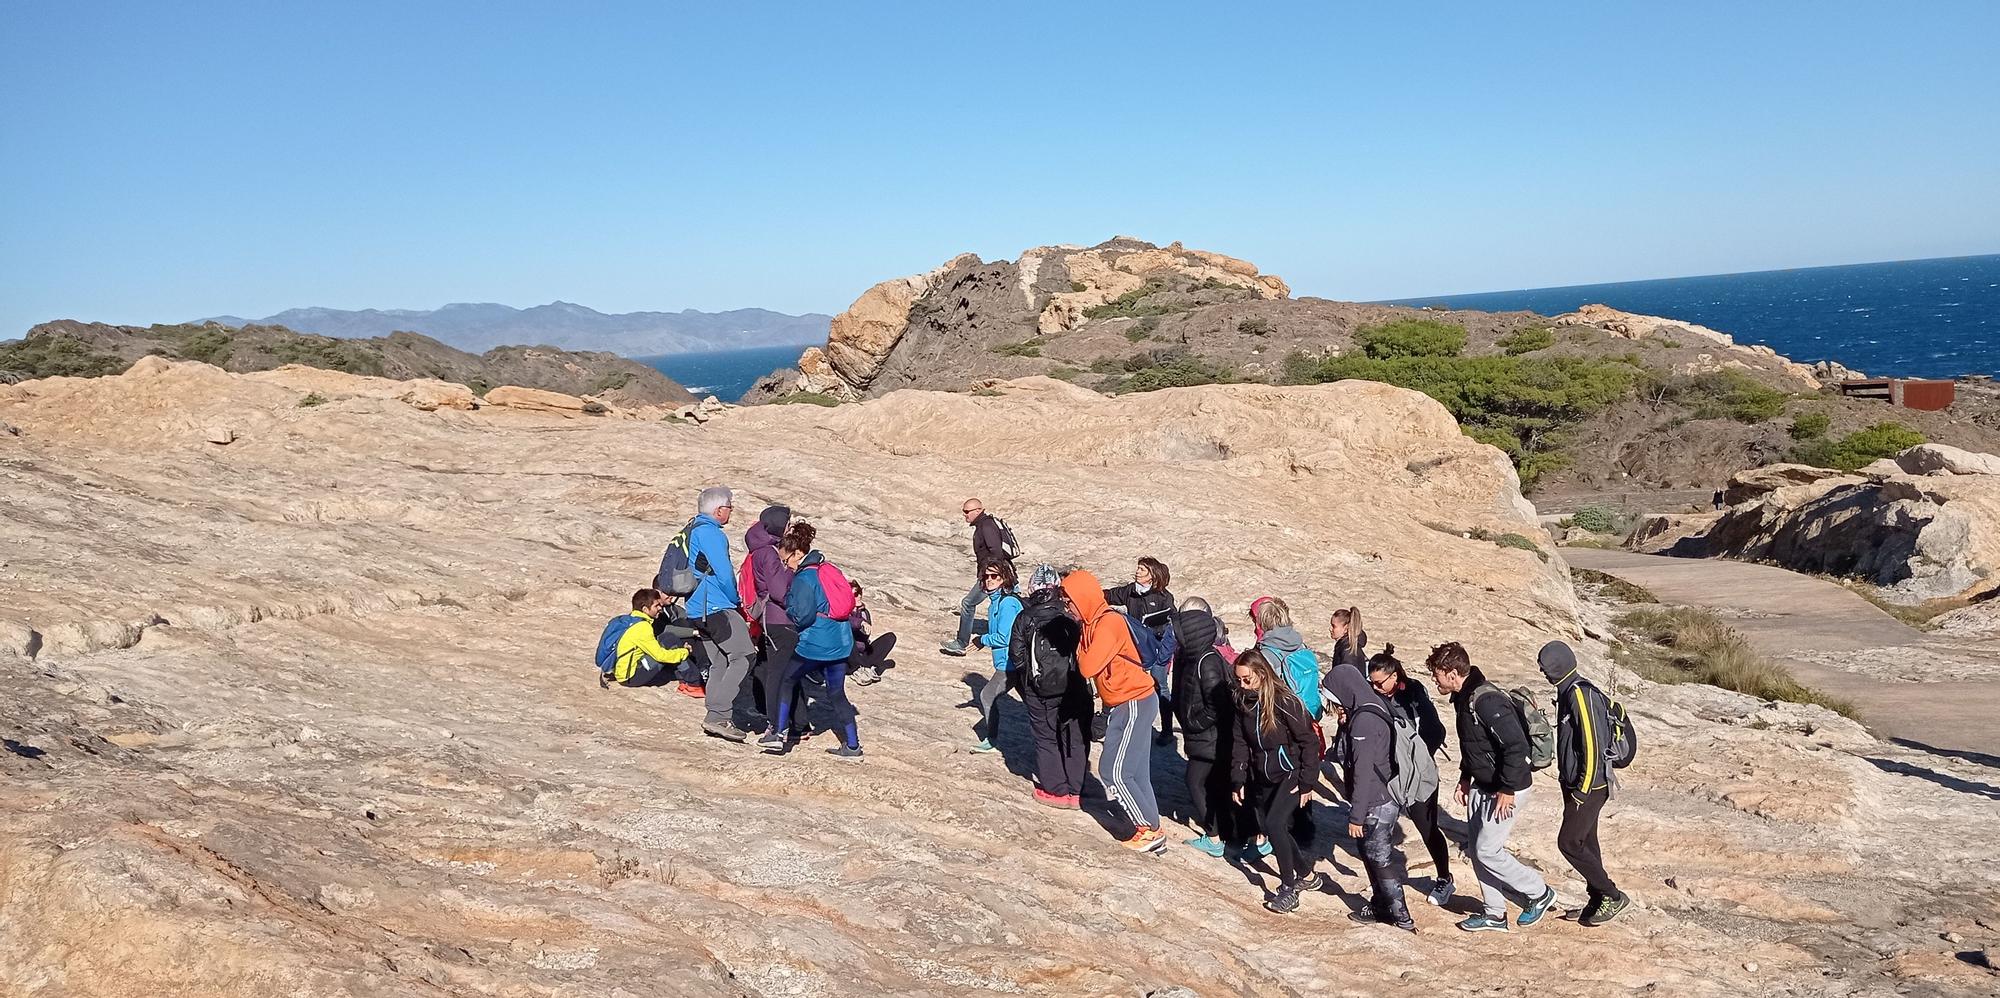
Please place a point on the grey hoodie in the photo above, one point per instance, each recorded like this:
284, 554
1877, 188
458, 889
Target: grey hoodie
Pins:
1371, 742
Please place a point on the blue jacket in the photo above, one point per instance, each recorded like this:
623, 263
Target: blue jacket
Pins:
1002, 606
715, 589
821, 638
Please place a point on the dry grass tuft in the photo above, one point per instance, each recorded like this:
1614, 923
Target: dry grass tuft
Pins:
1696, 646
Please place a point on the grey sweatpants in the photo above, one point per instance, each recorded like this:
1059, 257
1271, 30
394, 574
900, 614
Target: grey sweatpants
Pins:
989, 705
1500, 874
727, 656
1126, 765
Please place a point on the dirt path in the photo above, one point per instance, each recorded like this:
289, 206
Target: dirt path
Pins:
1807, 623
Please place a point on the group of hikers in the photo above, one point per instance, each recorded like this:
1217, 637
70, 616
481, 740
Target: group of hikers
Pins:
1096, 663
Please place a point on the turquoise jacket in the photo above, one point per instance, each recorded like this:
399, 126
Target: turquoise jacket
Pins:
821, 638
1002, 606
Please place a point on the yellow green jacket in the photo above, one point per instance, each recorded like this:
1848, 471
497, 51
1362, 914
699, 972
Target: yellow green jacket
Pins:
638, 640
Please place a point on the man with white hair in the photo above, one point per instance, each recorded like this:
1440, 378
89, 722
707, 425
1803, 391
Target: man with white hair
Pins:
724, 652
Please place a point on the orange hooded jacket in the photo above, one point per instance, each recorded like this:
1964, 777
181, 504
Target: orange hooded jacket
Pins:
1106, 654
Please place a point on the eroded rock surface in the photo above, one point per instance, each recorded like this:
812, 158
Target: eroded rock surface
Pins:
311, 715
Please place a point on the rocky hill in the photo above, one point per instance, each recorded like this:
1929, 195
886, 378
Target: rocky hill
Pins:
89, 349
481, 326
1594, 401
309, 713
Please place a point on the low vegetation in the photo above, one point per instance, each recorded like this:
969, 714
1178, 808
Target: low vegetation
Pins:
1856, 450
1256, 325
329, 353
1174, 370
57, 357
1527, 340
210, 346
1133, 305
1612, 586
1521, 405
1689, 645
1604, 518
1724, 394
809, 398
1519, 542
311, 400
1025, 348
610, 383
1811, 426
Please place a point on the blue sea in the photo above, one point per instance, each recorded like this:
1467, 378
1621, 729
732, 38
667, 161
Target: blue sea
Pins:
1914, 318
725, 374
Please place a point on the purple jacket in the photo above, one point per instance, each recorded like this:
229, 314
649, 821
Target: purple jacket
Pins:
773, 579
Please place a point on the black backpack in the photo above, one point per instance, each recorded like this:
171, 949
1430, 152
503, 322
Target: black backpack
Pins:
1051, 664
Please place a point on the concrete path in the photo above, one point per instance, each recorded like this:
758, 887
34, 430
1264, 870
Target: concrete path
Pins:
1788, 615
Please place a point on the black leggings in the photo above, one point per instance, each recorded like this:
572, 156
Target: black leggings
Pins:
1274, 807
1208, 785
780, 643
1424, 815
1578, 838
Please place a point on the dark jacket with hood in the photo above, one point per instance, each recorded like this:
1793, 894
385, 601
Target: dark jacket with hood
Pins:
1352, 650
1152, 607
774, 580
1200, 688
1412, 703
987, 542
1288, 757
1583, 723
1370, 741
1045, 637
1492, 745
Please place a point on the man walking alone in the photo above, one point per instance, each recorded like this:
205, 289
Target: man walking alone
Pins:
989, 547
1583, 754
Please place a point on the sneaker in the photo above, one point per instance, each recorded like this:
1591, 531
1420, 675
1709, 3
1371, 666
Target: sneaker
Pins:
773, 743
1285, 901
867, 677
1313, 883
1208, 845
1073, 802
845, 751
984, 746
1481, 923
1441, 892
1537, 908
1163, 738
603, 681
952, 648
1046, 799
691, 690
725, 731
1146, 840
1264, 849
1607, 909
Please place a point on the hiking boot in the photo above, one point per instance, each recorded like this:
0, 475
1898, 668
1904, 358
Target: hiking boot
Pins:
1313, 883
845, 751
1208, 845
726, 731
984, 746
1484, 923
1606, 910
1441, 891
1285, 901
952, 648
1537, 908
774, 743
691, 690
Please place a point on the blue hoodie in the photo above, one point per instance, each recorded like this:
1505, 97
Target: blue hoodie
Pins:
821, 638
1002, 606
715, 589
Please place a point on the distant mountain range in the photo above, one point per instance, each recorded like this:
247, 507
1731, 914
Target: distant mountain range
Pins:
478, 327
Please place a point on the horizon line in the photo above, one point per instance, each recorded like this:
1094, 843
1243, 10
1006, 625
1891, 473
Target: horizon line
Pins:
1681, 277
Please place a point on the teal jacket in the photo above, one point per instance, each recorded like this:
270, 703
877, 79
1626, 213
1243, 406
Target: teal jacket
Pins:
1002, 606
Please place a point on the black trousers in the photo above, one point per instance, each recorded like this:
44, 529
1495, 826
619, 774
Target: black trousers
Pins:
1274, 807
1378, 857
1578, 838
778, 646
1208, 784
1062, 754
1424, 815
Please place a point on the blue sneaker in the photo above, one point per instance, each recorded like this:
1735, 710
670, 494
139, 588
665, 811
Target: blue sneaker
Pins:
1481, 923
1208, 844
1264, 848
984, 746
1537, 908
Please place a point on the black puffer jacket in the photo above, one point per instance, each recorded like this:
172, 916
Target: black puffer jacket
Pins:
1153, 607
1492, 745
1203, 697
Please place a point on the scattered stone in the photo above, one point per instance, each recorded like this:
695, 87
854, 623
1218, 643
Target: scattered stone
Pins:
1750, 965
10, 429
534, 400
221, 435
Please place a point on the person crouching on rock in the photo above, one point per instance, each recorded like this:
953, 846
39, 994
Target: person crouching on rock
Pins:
1108, 656
653, 643
825, 642
871, 654
1274, 764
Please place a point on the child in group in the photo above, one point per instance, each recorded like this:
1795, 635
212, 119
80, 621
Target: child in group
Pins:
871, 654
645, 646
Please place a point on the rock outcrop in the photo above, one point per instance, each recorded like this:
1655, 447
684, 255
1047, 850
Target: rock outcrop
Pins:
967, 304
1747, 356
1939, 459
1919, 536
311, 715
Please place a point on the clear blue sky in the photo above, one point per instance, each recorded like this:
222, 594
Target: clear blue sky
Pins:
166, 161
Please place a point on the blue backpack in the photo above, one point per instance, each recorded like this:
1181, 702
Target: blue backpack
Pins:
1156, 648
1301, 671
607, 643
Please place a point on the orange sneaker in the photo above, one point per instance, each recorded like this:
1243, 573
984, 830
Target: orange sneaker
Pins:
1146, 840
690, 690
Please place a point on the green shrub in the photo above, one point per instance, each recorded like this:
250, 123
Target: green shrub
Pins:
610, 383
1528, 340
1519, 542
1696, 646
1604, 518
1132, 304
1025, 348
1859, 449
57, 357
1410, 338
1725, 394
1518, 404
210, 346
1076, 286
1066, 374
1613, 586
328, 353
479, 387
1256, 325
1217, 284
312, 399
1137, 333
1175, 371
809, 398
1811, 425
